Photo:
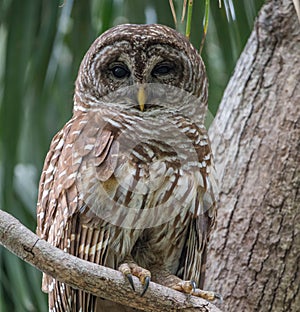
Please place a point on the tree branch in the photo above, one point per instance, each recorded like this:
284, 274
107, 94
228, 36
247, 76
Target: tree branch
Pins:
98, 280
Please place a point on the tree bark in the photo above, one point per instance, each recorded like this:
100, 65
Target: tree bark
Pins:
254, 256
98, 280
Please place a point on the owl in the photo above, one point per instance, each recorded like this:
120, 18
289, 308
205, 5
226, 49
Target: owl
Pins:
129, 181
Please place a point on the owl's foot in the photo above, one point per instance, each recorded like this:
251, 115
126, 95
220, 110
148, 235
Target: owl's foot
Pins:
130, 268
189, 287
164, 277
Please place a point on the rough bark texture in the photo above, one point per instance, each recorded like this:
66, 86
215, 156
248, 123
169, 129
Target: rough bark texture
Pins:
96, 279
254, 257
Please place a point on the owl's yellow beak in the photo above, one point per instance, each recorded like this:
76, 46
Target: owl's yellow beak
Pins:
142, 97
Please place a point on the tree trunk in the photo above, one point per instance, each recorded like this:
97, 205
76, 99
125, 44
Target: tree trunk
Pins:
254, 257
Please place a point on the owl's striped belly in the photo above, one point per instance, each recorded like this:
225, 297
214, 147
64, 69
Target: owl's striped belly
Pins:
161, 245
155, 222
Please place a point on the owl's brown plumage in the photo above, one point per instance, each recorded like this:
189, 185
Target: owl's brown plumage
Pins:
130, 177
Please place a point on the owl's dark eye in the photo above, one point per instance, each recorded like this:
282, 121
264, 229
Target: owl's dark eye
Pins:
120, 71
162, 69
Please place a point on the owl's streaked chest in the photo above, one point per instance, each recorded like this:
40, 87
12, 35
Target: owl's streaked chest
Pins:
141, 174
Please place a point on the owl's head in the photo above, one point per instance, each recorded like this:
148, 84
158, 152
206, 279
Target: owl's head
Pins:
129, 55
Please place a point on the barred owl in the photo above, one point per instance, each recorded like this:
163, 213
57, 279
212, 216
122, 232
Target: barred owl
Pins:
129, 181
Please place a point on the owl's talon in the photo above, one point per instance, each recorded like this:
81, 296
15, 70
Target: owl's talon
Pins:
130, 279
132, 269
194, 286
146, 285
125, 269
219, 297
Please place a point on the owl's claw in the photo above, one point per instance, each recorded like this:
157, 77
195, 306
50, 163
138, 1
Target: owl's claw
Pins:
194, 286
146, 285
129, 277
219, 297
132, 269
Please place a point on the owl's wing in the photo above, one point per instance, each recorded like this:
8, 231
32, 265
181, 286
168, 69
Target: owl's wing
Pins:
59, 196
61, 217
193, 258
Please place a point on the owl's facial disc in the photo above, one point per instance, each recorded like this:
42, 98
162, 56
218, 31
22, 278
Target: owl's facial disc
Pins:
130, 55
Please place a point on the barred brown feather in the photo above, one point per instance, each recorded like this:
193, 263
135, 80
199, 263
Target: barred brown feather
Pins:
118, 181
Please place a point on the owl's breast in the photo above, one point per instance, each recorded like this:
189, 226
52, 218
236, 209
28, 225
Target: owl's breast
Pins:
144, 172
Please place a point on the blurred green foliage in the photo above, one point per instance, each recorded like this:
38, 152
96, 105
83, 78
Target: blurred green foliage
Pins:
41, 45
